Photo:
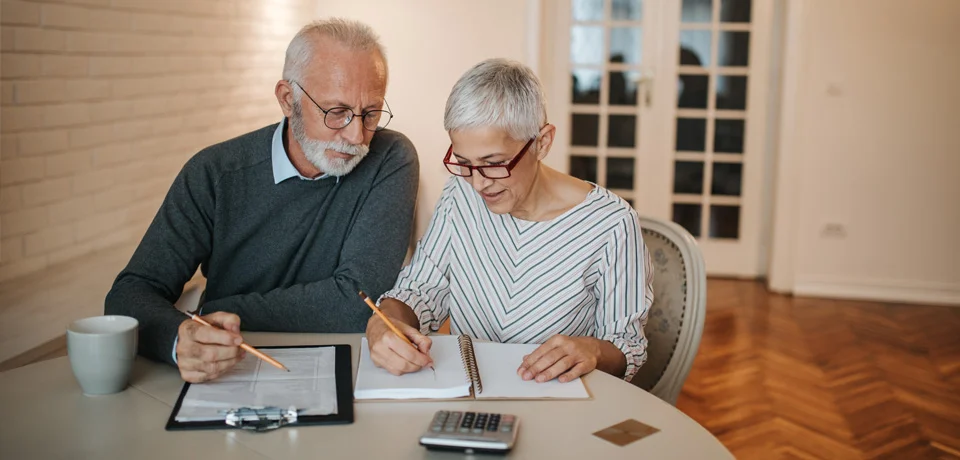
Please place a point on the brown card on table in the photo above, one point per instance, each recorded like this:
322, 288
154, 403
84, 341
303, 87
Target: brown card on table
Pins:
626, 432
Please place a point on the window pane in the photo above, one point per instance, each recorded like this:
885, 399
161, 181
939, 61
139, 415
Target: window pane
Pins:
734, 49
625, 45
620, 173
731, 92
587, 10
586, 45
692, 91
735, 10
623, 87
696, 11
728, 136
585, 129
726, 179
584, 167
688, 216
691, 134
724, 221
621, 131
695, 48
688, 177
585, 86
627, 10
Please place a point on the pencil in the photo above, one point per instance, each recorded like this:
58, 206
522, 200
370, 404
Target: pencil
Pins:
244, 345
389, 323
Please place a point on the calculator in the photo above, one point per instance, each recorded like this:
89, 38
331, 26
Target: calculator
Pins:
471, 432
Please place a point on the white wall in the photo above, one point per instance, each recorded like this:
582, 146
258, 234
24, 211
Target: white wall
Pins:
872, 146
430, 43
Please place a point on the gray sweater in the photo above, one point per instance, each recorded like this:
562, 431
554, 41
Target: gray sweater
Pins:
284, 257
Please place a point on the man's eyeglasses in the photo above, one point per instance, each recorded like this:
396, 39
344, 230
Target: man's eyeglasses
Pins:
340, 117
489, 171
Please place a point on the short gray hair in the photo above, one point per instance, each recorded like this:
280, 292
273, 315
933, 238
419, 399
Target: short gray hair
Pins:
498, 93
353, 34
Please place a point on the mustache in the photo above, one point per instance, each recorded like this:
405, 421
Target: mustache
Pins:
345, 148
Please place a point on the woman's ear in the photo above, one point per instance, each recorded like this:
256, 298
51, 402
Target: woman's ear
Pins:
545, 141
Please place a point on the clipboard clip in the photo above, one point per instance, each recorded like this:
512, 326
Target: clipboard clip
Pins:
261, 419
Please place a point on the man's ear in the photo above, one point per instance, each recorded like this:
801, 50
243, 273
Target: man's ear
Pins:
545, 141
284, 93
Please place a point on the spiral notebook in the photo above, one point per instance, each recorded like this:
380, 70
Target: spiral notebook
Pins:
464, 369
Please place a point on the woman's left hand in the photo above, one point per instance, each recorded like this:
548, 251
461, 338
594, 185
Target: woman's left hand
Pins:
562, 357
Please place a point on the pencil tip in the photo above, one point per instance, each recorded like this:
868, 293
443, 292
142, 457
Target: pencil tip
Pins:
362, 294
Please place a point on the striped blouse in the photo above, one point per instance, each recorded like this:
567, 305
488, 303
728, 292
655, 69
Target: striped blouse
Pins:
503, 279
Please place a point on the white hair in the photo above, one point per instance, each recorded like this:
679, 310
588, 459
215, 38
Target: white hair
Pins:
355, 35
498, 93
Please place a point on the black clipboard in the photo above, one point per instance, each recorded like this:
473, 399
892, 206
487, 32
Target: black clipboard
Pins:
344, 378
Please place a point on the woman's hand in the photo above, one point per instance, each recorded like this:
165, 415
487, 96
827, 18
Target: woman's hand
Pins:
562, 357
391, 352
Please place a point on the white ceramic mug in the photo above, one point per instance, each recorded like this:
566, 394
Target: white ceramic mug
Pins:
102, 350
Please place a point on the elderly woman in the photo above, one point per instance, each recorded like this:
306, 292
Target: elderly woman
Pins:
517, 251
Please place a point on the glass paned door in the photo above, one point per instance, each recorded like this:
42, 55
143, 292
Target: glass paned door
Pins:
664, 103
604, 73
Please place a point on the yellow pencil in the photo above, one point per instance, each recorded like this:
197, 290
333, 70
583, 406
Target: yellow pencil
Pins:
243, 345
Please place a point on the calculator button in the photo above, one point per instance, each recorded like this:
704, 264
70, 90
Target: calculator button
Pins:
464, 429
449, 429
436, 428
506, 428
492, 426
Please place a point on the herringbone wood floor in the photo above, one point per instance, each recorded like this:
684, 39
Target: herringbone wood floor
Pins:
794, 378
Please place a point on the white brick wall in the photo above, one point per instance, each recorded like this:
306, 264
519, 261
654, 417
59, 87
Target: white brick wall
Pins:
101, 102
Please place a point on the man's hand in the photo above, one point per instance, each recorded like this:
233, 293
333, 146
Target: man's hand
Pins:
392, 353
561, 356
204, 352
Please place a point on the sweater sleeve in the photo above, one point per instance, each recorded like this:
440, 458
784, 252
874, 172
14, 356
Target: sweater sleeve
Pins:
370, 258
178, 239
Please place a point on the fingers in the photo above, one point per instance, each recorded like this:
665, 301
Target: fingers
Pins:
224, 320
405, 351
213, 336
576, 371
422, 342
392, 353
545, 362
196, 371
393, 363
565, 363
205, 353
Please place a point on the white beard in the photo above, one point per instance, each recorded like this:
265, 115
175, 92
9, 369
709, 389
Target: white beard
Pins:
315, 150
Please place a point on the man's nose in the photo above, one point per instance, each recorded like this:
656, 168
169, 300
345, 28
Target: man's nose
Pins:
353, 133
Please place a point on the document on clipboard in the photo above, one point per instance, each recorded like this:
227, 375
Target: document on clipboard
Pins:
317, 389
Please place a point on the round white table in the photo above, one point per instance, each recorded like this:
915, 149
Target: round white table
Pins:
46, 416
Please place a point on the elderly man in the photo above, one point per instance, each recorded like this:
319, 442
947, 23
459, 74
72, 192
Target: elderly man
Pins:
287, 222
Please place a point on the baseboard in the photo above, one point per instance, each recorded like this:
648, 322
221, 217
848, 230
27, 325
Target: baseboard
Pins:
906, 291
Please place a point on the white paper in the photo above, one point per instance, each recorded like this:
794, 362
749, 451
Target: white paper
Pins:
498, 363
450, 381
310, 386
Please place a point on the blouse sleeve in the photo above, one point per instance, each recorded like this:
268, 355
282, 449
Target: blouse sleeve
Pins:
625, 293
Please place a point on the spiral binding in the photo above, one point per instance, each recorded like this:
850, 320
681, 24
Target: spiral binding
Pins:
470, 362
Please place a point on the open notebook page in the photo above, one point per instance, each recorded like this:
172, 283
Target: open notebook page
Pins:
498, 363
310, 385
450, 381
